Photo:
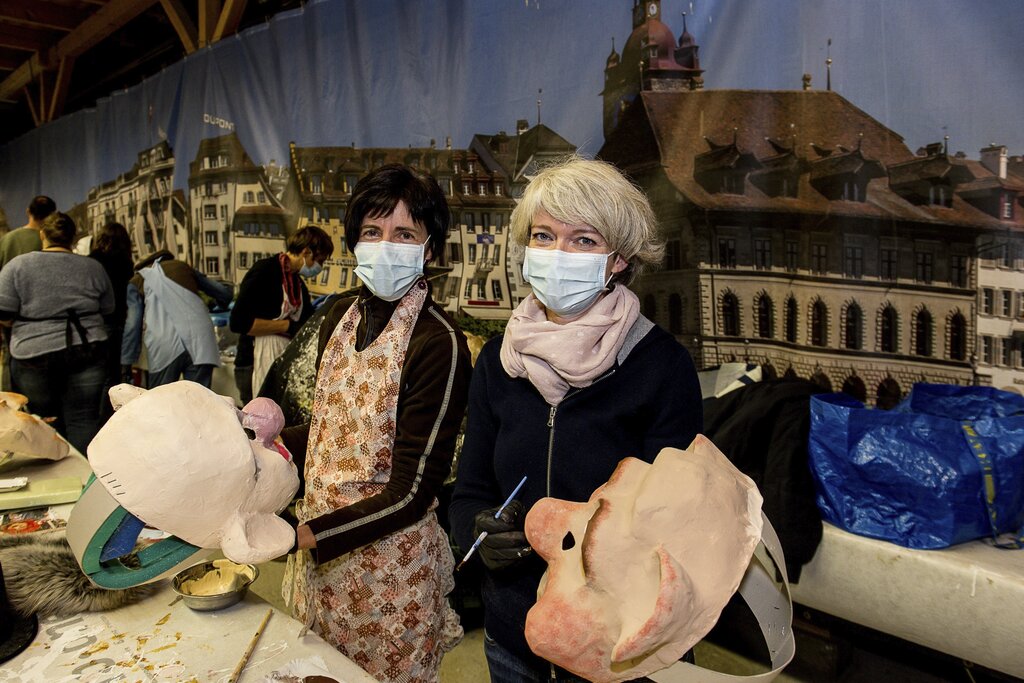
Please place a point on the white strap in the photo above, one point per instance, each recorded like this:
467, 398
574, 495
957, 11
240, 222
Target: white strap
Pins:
771, 603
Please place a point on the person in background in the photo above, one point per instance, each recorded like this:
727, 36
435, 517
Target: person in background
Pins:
374, 564
112, 247
15, 243
56, 301
179, 337
273, 302
579, 380
27, 238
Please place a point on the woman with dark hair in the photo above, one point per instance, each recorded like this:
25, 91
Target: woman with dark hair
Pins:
56, 301
273, 303
374, 564
112, 247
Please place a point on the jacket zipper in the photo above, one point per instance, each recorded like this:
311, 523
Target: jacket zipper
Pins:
551, 428
551, 448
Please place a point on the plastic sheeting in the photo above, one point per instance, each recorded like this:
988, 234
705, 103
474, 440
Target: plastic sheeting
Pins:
909, 475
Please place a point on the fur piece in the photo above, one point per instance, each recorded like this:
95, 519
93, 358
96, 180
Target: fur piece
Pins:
43, 578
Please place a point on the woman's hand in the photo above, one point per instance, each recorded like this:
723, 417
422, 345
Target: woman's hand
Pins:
505, 544
306, 539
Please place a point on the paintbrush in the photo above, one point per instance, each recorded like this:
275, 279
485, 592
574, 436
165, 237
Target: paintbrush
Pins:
483, 534
252, 646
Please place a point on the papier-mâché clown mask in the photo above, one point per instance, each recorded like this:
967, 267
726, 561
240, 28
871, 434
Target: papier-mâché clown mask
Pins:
641, 572
178, 458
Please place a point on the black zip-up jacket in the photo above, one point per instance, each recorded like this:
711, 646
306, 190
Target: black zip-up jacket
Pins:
261, 295
649, 400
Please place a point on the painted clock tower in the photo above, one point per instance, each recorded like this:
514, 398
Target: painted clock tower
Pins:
652, 59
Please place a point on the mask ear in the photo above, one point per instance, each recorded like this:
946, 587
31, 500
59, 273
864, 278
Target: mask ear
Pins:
253, 538
124, 393
673, 587
619, 264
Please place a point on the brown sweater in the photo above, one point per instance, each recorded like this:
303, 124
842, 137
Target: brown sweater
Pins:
177, 271
431, 394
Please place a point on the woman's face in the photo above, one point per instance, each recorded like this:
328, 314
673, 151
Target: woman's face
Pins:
547, 232
398, 227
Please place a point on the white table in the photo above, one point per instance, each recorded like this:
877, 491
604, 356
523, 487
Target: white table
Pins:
155, 640
967, 600
159, 639
74, 465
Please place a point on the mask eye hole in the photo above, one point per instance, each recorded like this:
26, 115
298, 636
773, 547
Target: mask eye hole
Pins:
249, 434
568, 543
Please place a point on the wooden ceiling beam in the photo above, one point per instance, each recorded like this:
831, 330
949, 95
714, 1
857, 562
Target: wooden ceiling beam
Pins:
31, 107
209, 13
230, 18
105, 21
60, 88
182, 23
25, 38
22, 76
41, 14
42, 98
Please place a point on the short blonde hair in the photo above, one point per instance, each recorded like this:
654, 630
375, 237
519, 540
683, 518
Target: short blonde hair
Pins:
595, 193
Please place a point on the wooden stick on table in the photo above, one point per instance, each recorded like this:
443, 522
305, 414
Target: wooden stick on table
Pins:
252, 646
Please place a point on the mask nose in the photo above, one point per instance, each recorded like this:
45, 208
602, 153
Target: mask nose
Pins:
548, 525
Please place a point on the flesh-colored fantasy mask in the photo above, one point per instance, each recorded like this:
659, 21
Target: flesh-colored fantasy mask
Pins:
641, 572
178, 458
23, 434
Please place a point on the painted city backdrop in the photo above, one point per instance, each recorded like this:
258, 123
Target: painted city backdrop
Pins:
840, 184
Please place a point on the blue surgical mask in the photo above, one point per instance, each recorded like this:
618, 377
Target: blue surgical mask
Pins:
567, 283
389, 269
311, 271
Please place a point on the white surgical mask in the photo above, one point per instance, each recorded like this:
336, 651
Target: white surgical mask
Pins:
389, 269
567, 283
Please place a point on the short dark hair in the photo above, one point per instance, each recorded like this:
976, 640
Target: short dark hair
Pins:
113, 237
313, 238
378, 193
41, 206
59, 230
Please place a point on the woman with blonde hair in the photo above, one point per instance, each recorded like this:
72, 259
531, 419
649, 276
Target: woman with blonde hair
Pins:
579, 380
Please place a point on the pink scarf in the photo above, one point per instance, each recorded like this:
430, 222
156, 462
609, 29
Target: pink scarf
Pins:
555, 357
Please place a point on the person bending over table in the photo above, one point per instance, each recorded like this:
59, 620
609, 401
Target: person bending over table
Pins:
273, 302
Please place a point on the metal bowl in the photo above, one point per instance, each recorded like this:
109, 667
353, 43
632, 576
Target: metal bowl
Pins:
206, 602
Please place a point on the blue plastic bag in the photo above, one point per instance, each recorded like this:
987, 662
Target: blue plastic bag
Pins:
910, 475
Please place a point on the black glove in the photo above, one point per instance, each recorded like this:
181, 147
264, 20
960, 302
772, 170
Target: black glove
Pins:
293, 328
505, 544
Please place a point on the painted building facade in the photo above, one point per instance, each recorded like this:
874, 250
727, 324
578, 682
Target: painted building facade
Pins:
801, 233
234, 217
474, 276
144, 201
998, 186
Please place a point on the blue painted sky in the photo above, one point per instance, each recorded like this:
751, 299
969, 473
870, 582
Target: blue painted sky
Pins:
399, 72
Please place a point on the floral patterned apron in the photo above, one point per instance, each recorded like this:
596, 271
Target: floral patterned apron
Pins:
382, 605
